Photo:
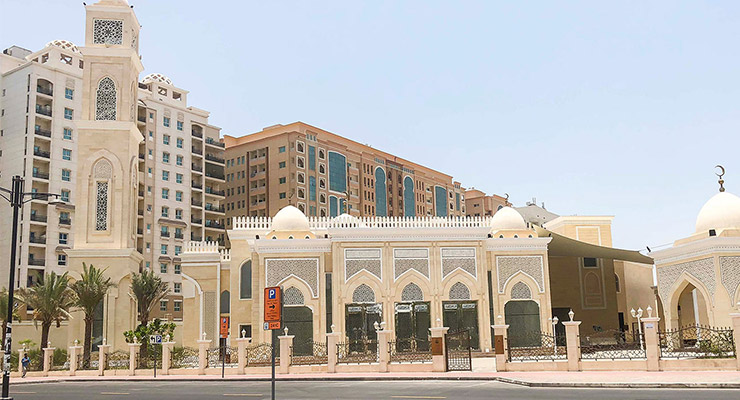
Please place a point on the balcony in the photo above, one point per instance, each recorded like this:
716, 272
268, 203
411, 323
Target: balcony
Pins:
140, 212
65, 221
141, 156
43, 110
141, 193
210, 190
197, 151
195, 185
197, 221
36, 262
257, 189
196, 203
211, 207
215, 143
164, 234
38, 218
42, 132
40, 175
215, 175
178, 236
197, 134
41, 153
214, 159
196, 238
213, 224
141, 118
139, 231
44, 90
37, 240
257, 174
196, 167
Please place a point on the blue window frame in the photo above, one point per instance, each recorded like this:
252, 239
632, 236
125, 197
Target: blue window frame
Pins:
333, 206
69, 93
312, 188
337, 172
409, 200
67, 133
312, 158
381, 193
245, 280
179, 125
457, 201
166, 121
68, 114
440, 201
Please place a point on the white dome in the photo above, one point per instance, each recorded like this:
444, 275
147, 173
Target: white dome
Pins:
346, 220
507, 218
64, 44
720, 212
157, 78
290, 219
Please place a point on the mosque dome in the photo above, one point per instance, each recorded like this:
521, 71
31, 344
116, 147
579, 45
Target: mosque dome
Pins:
155, 77
507, 218
347, 220
290, 219
64, 44
722, 211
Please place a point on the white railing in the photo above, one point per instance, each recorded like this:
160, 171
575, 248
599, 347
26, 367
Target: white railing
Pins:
201, 247
321, 223
226, 255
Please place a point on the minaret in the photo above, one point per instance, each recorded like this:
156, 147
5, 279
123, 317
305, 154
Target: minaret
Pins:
107, 160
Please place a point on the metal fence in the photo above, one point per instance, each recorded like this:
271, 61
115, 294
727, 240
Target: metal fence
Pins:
357, 352
259, 355
118, 359
184, 357
309, 353
410, 350
536, 346
91, 365
612, 344
697, 341
226, 355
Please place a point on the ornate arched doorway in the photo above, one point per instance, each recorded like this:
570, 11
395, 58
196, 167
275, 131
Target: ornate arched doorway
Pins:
522, 316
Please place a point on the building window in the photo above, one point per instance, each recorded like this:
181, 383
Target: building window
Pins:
178, 287
179, 143
67, 154
166, 157
166, 139
282, 195
311, 187
178, 214
300, 162
165, 193
409, 200
322, 154
62, 259
165, 212
68, 114
589, 262
66, 175
178, 250
162, 268
65, 195
67, 133
299, 146
312, 158
163, 305
179, 125
178, 269
69, 93
166, 121
440, 201
178, 195
165, 175
163, 249
337, 172
178, 178
245, 280
105, 100
63, 238
281, 164
225, 301
107, 31
282, 180
301, 178
281, 149
177, 306
179, 160
381, 193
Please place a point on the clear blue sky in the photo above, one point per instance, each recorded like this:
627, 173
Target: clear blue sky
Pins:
618, 109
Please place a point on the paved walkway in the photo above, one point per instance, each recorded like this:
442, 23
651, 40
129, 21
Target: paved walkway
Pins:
637, 379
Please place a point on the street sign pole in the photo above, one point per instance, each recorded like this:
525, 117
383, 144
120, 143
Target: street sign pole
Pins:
273, 363
273, 321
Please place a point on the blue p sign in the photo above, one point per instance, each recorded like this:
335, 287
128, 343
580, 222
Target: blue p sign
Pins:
271, 294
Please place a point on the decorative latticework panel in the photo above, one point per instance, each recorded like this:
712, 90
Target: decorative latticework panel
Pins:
107, 31
410, 259
305, 269
358, 259
508, 266
105, 100
458, 257
103, 169
363, 294
521, 291
101, 206
293, 297
702, 270
459, 291
209, 314
412, 292
730, 272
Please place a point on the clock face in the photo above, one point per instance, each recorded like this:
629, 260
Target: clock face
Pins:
107, 31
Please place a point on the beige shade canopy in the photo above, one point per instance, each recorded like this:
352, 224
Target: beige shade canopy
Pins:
567, 247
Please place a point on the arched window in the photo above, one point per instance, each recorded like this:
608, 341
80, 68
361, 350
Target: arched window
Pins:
381, 193
363, 294
412, 292
102, 174
225, 302
459, 291
105, 100
245, 280
616, 281
409, 202
293, 297
521, 291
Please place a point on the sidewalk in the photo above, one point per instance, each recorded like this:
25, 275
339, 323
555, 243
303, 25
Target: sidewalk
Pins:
618, 379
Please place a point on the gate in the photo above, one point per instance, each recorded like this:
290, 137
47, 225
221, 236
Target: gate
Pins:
457, 351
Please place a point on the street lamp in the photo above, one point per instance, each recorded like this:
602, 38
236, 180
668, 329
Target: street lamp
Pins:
554, 335
638, 315
16, 197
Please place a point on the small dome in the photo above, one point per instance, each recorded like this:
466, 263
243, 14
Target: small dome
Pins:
64, 44
290, 219
722, 211
507, 218
157, 78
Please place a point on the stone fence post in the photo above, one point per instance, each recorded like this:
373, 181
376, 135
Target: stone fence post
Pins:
286, 342
652, 343
103, 351
21, 352
500, 332
74, 351
384, 336
573, 345
203, 346
133, 350
167, 356
332, 339
48, 354
736, 333
438, 361
241, 363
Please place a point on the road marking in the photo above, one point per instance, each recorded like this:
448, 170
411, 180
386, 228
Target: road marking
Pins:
15, 392
418, 397
114, 393
243, 394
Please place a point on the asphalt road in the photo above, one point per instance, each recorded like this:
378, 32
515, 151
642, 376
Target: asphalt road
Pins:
392, 390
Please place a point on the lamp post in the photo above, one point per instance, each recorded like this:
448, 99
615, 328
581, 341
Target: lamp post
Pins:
554, 335
638, 314
16, 197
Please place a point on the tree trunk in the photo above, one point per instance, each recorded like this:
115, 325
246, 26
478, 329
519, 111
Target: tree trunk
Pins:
45, 326
88, 341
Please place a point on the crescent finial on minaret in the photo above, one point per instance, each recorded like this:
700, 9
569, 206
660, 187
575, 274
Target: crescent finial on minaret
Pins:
720, 175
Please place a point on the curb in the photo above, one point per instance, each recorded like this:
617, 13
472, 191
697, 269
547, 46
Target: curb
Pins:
637, 385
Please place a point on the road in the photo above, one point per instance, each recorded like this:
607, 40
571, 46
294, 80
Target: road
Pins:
391, 390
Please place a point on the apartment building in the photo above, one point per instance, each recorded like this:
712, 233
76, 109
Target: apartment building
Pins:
181, 166
479, 204
325, 175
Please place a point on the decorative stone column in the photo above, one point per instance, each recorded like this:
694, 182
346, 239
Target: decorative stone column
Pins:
203, 346
21, 352
438, 361
286, 341
48, 354
384, 336
241, 344
736, 332
103, 351
74, 351
502, 357
332, 339
652, 343
572, 339
133, 350
167, 355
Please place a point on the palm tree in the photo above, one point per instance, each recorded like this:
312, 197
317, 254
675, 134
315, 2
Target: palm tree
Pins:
90, 291
148, 289
4, 310
51, 301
